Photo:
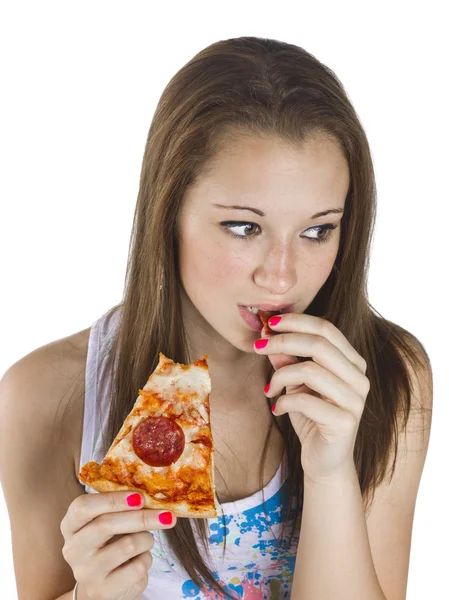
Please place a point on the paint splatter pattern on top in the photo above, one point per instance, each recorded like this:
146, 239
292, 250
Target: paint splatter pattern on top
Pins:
257, 564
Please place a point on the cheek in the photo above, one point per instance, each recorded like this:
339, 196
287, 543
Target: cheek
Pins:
222, 268
207, 262
315, 274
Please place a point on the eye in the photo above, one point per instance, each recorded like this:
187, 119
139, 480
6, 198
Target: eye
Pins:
327, 229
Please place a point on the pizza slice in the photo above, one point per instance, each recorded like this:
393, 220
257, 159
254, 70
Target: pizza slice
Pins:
164, 449
264, 316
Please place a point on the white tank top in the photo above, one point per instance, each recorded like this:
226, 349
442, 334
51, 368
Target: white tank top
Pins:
257, 564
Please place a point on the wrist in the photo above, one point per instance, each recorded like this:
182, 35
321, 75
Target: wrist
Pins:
346, 473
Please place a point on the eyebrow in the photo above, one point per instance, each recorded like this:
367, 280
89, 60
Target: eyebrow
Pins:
262, 214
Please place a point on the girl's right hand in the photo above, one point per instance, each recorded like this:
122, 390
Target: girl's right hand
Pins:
107, 569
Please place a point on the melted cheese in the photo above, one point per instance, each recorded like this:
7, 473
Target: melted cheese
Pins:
182, 393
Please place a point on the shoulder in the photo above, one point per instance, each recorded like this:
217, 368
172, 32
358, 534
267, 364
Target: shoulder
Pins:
68, 351
44, 391
414, 363
50, 368
414, 416
419, 371
419, 423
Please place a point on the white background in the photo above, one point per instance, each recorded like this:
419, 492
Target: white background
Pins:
81, 81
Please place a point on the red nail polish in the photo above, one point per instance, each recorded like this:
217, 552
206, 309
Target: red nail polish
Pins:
165, 518
273, 408
134, 500
266, 388
260, 343
274, 321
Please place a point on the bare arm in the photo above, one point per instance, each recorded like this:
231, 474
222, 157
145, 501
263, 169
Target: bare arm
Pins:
344, 555
36, 471
334, 548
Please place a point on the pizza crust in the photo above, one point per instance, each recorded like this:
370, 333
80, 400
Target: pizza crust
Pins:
90, 475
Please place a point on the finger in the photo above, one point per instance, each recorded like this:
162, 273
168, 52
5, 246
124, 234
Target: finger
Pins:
98, 531
322, 352
320, 380
282, 360
87, 507
318, 410
95, 534
132, 575
301, 323
113, 555
277, 360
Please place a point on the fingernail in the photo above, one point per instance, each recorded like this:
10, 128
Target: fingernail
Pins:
166, 518
134, 500
266, 388
273, 408
260, 344
274, 321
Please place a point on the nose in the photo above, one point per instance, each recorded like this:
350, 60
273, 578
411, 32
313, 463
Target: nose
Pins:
277, 273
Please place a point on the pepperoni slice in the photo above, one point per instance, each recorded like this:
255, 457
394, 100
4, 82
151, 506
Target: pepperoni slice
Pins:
158, 441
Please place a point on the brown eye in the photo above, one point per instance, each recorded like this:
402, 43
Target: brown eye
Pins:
228, 225
326, 229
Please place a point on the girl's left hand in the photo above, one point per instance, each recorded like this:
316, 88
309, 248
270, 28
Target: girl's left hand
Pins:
326, 412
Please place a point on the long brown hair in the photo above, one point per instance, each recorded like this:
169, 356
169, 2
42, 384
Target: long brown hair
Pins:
266, 87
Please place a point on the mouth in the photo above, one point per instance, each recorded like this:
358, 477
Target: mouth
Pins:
269, 308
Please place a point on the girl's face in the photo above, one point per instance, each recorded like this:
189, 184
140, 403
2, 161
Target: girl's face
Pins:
276, 253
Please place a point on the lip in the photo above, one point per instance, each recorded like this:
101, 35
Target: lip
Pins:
272, 307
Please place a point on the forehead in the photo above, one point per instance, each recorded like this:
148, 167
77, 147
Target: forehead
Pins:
261, 168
